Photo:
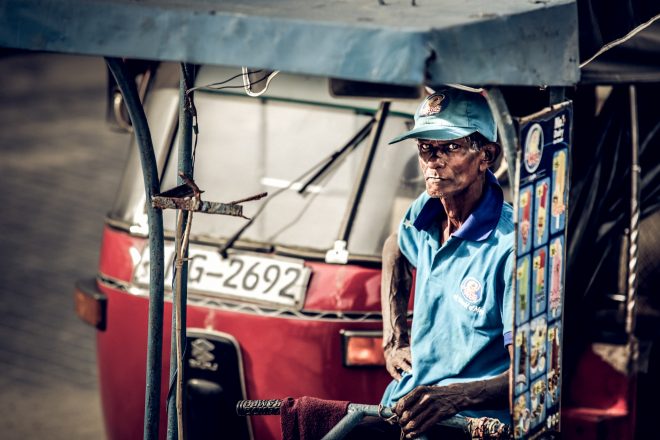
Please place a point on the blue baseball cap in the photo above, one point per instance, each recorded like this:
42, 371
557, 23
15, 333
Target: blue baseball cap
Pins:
452, 114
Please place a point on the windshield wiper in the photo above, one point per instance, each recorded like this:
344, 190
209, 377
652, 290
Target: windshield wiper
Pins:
336, 158
327, 164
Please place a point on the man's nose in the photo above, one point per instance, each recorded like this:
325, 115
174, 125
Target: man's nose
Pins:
436, 161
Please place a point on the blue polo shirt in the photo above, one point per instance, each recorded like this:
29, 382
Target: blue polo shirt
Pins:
463, 312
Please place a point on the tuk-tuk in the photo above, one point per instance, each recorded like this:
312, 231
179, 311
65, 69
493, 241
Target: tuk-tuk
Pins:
290, 304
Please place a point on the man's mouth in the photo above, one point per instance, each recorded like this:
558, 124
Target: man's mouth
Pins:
434, 178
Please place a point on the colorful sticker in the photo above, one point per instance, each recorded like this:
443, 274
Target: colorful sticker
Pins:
542, 192
533, 148
559, 195
525, 222
556, 277
537, 356
521, 372
552, 420
522, 416
539, 275
554, 367
523, 288
537, 402
541, 189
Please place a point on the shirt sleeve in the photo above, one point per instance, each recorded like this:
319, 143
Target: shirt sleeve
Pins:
507, 300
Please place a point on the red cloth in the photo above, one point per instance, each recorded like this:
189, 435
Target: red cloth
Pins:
309, 418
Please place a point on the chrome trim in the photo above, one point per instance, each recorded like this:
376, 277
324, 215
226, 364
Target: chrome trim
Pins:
196, 299
361, 333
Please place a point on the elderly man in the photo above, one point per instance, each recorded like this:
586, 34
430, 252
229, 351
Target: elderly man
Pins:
458, 236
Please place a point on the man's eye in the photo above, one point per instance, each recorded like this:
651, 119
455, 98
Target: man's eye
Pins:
425, 147
453, 147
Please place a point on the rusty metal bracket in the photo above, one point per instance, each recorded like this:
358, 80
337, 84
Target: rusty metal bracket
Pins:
187, 197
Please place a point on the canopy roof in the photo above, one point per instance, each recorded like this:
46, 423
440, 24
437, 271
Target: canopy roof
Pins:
476, 42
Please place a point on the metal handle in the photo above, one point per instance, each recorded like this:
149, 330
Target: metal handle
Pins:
258, 407
482, 428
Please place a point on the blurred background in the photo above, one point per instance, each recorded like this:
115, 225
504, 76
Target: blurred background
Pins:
59, 168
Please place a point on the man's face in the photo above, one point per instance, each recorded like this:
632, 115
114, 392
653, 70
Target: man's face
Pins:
449, 167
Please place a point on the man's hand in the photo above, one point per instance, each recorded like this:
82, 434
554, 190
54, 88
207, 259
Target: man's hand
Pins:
425, 406
398, 360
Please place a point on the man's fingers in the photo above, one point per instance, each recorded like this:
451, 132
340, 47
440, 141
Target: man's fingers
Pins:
412, 410
424, 422
409, 401
394, 372
420, 423
404, 359
403, 364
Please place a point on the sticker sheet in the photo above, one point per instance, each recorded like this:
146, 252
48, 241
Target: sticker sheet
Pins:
541, 208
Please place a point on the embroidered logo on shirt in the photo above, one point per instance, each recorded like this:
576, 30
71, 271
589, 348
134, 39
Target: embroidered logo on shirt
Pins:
471, 290
407, 224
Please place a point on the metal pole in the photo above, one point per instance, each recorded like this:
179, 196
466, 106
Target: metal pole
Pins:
175, 426
635, 174
354, 203
156, 269
508, 135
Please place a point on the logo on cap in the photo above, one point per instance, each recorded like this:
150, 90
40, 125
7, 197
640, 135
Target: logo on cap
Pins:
432, 105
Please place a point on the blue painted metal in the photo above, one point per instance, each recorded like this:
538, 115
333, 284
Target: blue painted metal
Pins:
508, 136
479, 42
356, 412
156, 267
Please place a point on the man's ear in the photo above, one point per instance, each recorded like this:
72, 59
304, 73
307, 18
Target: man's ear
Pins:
491, 152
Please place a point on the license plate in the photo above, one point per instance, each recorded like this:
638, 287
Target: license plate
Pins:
244, 276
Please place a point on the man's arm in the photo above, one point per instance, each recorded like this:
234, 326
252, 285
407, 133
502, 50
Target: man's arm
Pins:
395, 287
426, 405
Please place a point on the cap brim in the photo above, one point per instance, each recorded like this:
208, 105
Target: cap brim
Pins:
434, 133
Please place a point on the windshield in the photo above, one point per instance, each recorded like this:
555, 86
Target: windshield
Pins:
249, 145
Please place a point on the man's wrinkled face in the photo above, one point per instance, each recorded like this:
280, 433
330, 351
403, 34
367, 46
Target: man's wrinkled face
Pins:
449, 167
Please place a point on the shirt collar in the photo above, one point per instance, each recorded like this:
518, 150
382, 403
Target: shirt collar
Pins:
481, 222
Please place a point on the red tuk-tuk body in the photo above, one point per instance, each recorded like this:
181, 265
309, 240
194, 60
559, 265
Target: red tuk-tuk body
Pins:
282, 355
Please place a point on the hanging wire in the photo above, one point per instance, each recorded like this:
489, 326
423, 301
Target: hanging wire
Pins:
211, 85
621, 40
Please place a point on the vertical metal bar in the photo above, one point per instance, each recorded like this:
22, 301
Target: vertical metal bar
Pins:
356, 196
156, 269
508, 135
175, 427
635, 175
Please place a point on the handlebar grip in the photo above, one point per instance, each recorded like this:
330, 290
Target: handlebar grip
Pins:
258, 407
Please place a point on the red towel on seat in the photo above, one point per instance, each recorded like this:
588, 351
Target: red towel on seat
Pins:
309, 418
